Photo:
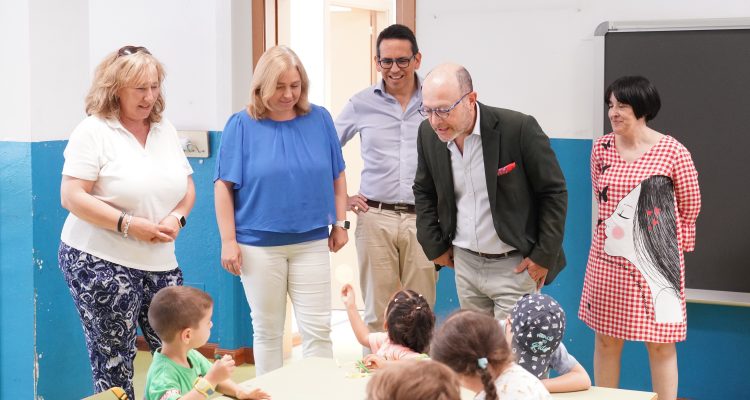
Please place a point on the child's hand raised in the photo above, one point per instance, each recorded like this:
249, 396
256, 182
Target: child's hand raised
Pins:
221, 370
254, 394
347, 295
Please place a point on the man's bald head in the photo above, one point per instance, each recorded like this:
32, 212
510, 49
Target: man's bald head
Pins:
449, 102
450, 76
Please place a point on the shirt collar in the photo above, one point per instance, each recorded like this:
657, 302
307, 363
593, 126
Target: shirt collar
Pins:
477, 131
379, 88
115, 123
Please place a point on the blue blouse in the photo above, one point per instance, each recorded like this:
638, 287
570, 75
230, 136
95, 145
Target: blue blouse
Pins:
283, 173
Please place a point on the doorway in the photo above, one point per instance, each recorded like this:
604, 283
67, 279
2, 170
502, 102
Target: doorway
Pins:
335, 39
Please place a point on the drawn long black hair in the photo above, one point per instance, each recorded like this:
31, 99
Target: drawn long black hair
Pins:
655, 231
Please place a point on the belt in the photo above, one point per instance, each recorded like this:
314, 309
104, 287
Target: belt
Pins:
399, 207
507, 254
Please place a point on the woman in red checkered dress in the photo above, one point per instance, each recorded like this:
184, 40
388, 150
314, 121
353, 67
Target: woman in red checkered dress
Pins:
648, 195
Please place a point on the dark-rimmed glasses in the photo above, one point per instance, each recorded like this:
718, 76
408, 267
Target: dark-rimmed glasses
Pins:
128, 50
387, 63
439, 112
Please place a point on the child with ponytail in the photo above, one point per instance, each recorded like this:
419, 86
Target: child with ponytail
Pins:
471, 344
408, 325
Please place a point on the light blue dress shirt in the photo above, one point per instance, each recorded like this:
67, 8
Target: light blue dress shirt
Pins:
389, 141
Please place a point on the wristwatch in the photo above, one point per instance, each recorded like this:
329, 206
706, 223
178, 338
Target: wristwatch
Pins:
180, 218
204, 386
342, 224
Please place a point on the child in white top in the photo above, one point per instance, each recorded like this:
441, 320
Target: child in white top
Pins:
471, 344
409, 322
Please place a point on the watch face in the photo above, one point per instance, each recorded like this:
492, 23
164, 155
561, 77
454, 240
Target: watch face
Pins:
346, 224
183, 222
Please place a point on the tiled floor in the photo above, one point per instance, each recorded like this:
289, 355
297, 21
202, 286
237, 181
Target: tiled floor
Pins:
345, 350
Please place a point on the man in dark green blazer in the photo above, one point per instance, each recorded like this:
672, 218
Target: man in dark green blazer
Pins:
489, 194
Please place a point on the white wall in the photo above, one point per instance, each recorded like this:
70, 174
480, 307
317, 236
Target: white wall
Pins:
537, 56
191, 39
50, 49
307, 21
14, 71
59, 62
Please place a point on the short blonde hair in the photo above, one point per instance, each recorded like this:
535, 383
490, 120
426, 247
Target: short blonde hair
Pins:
119, 71
272, 64
414, 380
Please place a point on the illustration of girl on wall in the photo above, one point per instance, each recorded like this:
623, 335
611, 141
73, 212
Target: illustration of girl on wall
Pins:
643, 230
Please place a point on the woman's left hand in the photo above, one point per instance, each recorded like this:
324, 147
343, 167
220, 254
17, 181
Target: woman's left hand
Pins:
171, 221
337, 238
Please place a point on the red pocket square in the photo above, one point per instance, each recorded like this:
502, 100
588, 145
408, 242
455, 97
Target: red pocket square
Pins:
506, 169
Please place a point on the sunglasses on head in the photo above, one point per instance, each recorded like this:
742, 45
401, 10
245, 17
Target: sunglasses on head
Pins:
128, 50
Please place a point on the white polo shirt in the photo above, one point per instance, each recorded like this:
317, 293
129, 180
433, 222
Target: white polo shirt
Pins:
148, 182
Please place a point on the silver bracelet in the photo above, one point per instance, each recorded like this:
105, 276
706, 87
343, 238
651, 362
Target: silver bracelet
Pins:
127, 226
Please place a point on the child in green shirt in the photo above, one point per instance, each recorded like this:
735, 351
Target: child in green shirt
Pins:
181, 316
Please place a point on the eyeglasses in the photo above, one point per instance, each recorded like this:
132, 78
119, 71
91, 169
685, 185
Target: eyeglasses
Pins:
439, 112
128, 50
387, 63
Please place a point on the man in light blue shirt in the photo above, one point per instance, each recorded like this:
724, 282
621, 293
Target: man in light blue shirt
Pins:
385, 116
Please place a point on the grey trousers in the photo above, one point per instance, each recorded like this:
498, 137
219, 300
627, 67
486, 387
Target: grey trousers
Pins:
490, 286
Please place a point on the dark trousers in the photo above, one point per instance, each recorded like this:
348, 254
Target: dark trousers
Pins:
111, 299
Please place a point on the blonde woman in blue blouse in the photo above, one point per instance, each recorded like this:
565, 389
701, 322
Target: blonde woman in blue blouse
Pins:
280, 193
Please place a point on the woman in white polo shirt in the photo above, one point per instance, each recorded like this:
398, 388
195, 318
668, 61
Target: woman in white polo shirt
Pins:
128, 187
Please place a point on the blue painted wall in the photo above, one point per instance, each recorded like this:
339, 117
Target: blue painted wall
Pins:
711, 361
16, 272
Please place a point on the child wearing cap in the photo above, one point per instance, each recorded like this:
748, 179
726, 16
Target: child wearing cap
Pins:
181, 316
534, 330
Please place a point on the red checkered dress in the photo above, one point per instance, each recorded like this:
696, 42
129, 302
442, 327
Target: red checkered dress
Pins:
616, 299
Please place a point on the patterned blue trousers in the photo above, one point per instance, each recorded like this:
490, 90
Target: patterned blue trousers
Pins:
111, 299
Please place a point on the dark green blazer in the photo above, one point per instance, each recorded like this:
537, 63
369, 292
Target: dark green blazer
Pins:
528, 204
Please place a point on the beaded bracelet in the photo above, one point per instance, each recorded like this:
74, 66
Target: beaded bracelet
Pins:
127, 226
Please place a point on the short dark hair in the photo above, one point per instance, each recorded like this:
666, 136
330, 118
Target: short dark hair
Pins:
410, 320
175, 308
637, 92
397, 31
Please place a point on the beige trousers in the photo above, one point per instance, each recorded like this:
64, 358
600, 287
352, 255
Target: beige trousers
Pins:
390, 259
490, 286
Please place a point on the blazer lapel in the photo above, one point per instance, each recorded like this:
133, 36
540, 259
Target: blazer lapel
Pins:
444, 160
490, 151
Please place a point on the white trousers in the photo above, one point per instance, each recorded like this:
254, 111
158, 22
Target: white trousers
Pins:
303, 271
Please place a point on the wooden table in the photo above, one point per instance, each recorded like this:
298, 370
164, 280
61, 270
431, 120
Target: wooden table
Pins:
325, 379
